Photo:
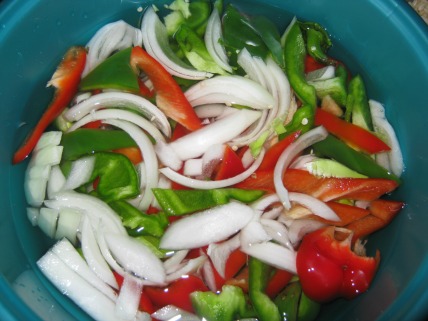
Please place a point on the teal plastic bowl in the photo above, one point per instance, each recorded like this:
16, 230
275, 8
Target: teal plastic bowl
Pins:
384, 40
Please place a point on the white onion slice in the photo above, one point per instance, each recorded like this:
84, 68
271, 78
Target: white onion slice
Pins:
80, 173
135, 257
113, 113
191, 267
56, 181
316, 206
170, 313
230, 90
213, 111
384, 129
110, 38
93, 255
211, 159
301, 143
205, 227
203, 184
253, 233
213, 34
156, 43
149, 156
167, 156
174, 262
265, 201
128, 301
299, 228
208, 276
277, 231
193, 167
220, 252
121, 100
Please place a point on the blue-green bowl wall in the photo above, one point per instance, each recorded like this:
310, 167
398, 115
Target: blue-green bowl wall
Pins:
385, 41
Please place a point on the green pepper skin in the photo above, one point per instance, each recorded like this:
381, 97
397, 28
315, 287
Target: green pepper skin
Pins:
303, 120
265, 308
181, 202
317, 42
357, 104
334, 87
288, 301
308, 309
113, 73
336, 149
85, 141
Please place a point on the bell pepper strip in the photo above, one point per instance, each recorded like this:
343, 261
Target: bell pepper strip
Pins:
334, 87
265, 308
317, 42
338, 150
87, 141
351, 134
145, 91
113, 73
181, 202
134, 219
234, 273
133, 154
346, 213
365, 227
272, 154
240, 280
277, 282
176, 293
230, 165
66, 81
384, 209
199, 14
230, 304
303, 120
169, 97
357, 105
329, 269
118, 178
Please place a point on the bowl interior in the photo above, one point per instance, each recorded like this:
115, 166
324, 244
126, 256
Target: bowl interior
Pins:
383, 40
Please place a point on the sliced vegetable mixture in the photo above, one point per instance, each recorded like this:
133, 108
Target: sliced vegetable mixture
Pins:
208, 165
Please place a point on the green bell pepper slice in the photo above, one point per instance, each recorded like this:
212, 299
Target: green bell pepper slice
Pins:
259, 274
113, 73
181, 202
317, 42
85, 141
357, 104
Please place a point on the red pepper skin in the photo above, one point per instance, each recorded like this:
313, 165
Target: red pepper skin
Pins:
351, 134
133, 153
176, 293
66, 81
274, 152
169, 97
278, 282
311, 64
230, 166
329, 269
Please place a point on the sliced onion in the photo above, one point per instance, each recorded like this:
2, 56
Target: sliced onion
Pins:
69, 255
209, 226
135, 257
56, 181
168, 156
230, 90
156, 43
193, 167
247, 159
128, 301
384, 129
253, 233
93, 255
196, 143
80, 173
220, 252
170, 313
211, 159
110, 38
213, 111
265, 201
277, 231
316, 206
113, 113
213, 35
149, 155
121, 100
203, 184
304, 141
299, 228
174, 262
191, 267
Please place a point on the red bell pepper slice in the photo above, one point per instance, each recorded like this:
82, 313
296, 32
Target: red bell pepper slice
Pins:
66, 81
277, 282
353, 135
328, 268
169, 96
346, 213
133, 153
176, 293
386, 210
274, 152
311, 64
230, 165
365, 226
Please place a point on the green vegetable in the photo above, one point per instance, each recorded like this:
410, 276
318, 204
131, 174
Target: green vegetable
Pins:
180, 202
334, 87
308, 309
139, 223
230, 304
317, 42
265, 308
113, 73
302, 121
336, 149
330, 168
357, 105
87, 141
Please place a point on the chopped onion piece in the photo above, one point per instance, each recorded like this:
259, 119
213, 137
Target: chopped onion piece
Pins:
208, 276
56, 181
304, 141
203, 184
80, 173
253, 233
316, 206
173, 263
121, 100
149, 156
211, 159
69, 222
110, 38
51, 138
113, 113
230, 90
213, 110
220, 252
128, 301
193, 167
155, 40
299, 228
167, 156
135, 257
170, 313
277, 231
190, 267
206, 227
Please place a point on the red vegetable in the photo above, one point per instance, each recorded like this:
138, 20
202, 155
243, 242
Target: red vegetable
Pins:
328, 268
230, 165
66, 81
169, 97
311, 64
351, 134
277, 282
133, 153
272, 154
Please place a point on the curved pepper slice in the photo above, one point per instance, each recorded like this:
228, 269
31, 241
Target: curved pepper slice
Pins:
328, 268
66, 81
169, 97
